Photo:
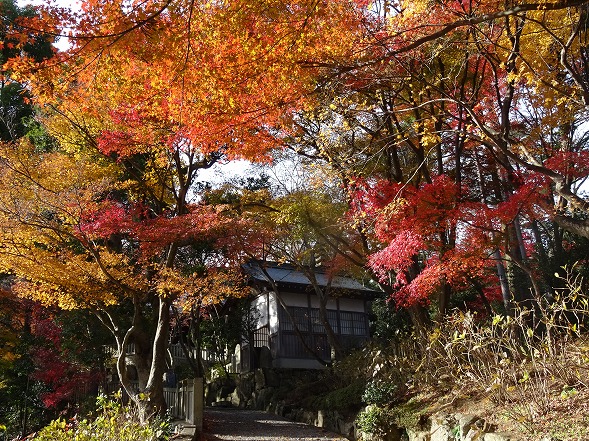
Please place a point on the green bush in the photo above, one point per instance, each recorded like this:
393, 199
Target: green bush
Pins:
374, 420
345, 399
113, 422
368, 421
379, 392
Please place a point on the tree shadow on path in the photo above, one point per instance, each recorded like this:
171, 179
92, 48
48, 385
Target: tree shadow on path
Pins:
247, 425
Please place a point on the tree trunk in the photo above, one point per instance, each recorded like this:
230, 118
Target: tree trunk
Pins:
444, 295
580, 227
155, 404
503, 283
323, 296
150, 365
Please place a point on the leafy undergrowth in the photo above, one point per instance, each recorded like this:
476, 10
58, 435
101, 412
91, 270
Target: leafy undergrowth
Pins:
526, 373
565, 416
112, 421
334, 389
529, 411
346, 400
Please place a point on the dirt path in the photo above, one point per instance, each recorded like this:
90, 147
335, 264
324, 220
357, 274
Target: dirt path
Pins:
249, 425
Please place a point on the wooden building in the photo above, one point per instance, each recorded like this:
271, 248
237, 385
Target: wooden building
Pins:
275, 343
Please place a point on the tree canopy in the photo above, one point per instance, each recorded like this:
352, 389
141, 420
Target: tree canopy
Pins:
455, 132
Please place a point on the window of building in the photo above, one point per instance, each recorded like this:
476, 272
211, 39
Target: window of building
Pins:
300, 315
353, 323
350, 323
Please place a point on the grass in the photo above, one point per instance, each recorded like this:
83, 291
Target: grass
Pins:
527, 373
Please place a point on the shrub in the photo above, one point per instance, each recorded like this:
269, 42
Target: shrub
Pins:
347, 398
374, 421
537, 356
113, 422
379, 392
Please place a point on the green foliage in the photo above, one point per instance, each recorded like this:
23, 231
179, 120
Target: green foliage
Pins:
343, 399
21, 396
83, 338
15, 108
379, 392
390, 322
228, 327
37, 134
113, 422
374, 420
410, 413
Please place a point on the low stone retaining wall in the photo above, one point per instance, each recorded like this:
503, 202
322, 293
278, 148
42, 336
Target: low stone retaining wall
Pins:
326, 419
439, 427
454, 427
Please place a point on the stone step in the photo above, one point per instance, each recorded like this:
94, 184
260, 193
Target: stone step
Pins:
221, 403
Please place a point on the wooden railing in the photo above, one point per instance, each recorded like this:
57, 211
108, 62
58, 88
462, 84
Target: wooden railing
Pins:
186, 401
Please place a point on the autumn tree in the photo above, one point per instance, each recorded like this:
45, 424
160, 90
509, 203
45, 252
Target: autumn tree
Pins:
430, 127
49, 361
452, 127
18, 391
147, 96
16, 109
299, 210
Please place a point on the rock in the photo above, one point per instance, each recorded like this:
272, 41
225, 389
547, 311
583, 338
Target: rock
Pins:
265, 357
440, 428
272, 378
259, 379
346, 428
465, 423
236, 399
473, 434
321, 418
221, 403
393, 434
226, 389
496, 436
307, 417
260, 399
416, 435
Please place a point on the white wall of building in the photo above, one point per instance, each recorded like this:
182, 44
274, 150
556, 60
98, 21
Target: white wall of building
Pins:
331, 303
273, 310
293, 299
353, 305
260, 304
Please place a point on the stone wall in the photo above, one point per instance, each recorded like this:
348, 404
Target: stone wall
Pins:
453, 427
442, 426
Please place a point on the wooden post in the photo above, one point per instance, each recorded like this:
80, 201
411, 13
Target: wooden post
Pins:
194, 407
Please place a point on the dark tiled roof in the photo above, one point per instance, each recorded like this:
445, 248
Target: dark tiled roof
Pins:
288, 275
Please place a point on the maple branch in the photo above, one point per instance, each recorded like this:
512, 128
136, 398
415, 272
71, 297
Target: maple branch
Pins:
82, 129
122, 346
540, 6
327, 237
118, 34
502, 142
109, 324
576, 226
25, 173
579, 80
446, 29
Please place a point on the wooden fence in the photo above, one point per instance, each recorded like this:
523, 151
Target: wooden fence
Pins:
186, 401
